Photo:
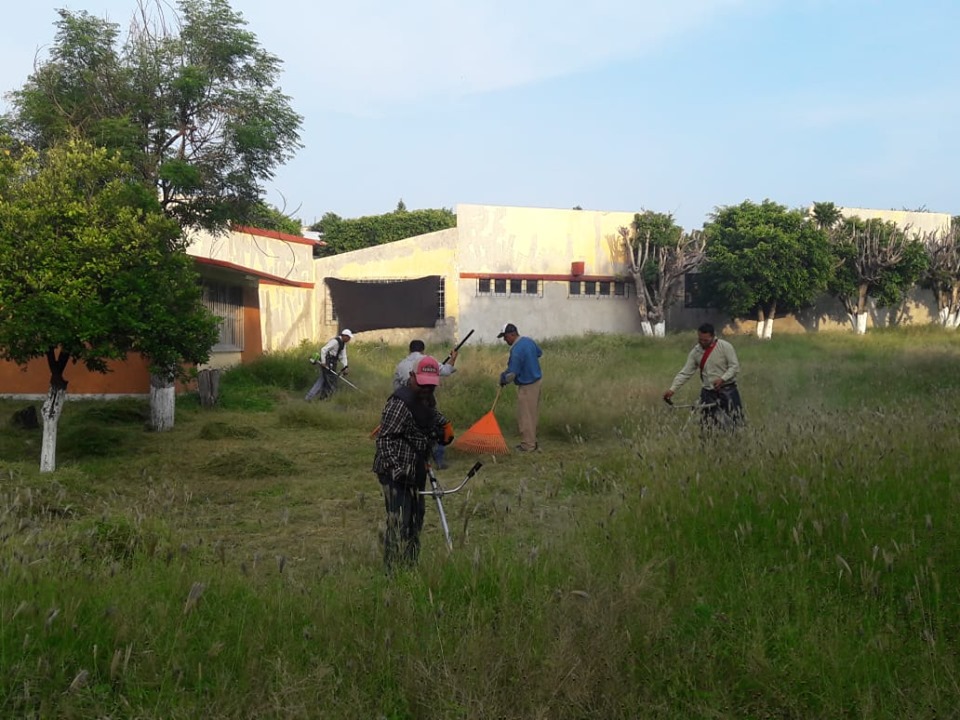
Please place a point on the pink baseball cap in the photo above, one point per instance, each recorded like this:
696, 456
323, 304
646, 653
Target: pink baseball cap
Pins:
428, 371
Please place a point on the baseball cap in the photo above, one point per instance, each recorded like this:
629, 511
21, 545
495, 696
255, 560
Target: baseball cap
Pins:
428, 371
507, 329
348, 333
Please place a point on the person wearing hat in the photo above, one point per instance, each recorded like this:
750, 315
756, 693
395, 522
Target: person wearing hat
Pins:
409, 426
523, 370
334, 352
401, 376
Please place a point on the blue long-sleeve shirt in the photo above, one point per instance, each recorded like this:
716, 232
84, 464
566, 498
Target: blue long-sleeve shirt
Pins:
524, 362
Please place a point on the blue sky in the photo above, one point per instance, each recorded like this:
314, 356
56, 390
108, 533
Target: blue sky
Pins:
675, 106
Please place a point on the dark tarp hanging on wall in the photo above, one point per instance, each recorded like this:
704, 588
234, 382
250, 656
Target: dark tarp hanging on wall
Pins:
380, 305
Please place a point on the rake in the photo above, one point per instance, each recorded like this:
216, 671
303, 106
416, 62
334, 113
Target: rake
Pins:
484, 435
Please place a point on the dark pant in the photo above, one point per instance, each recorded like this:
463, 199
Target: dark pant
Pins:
727, 410
325, 385
405, 508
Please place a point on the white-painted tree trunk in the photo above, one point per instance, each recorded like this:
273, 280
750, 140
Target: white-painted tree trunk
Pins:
163, 403
948, 318
52, 408
646, 328
767, 329
660, 329
859, 323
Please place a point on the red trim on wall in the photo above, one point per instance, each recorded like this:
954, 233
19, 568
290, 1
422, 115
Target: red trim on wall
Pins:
277, 235
264, 277
535, 276
252, 339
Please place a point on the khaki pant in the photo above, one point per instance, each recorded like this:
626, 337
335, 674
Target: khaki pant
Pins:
528, 411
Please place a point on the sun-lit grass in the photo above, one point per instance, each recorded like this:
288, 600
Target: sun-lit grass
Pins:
804, 567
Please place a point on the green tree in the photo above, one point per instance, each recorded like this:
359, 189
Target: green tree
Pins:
761, 258
874, 260
86, 271
191, 102
826, 215
660, 254
267, 217
343, 235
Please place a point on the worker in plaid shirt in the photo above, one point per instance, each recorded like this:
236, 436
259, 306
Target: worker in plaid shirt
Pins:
409, 426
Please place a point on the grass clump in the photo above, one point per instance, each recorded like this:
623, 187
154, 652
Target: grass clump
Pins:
249, 463
218, 430
804, 567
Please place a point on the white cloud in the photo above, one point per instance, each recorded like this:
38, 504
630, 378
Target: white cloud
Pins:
366, 54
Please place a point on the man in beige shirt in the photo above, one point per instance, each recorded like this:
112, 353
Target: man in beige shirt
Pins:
717, 363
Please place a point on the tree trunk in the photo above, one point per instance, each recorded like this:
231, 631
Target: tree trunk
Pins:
761, 322
163, 401
859, 322
52, 408
945, 316
660, 329
646, 328
768, 323
767, 329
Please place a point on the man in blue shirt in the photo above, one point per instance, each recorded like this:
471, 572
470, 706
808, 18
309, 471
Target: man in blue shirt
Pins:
523, 370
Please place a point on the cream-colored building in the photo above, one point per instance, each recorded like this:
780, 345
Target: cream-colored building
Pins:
557, 273
261, 283
551, 272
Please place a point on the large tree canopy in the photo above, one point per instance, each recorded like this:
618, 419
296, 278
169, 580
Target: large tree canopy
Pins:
342, 235
86, 269
191, 102
761, 258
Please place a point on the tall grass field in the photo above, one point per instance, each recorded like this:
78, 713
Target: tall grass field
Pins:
805, 566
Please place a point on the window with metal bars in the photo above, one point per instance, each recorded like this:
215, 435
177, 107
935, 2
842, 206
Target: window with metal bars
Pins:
599, 289
226, 302
510, 287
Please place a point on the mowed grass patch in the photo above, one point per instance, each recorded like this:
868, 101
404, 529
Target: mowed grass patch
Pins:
803, 567
249, 463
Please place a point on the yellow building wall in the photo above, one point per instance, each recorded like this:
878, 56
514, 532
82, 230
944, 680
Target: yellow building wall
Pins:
287, 316
498, 239
281, 257
921, 223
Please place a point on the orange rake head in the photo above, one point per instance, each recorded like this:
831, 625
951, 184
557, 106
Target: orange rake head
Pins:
483, 436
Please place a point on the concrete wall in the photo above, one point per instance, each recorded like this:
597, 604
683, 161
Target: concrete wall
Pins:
921, 223
285, 257
287, 316
431, 254
542, 243
283, 268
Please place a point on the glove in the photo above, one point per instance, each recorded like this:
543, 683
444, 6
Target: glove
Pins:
506, 378
448, 435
